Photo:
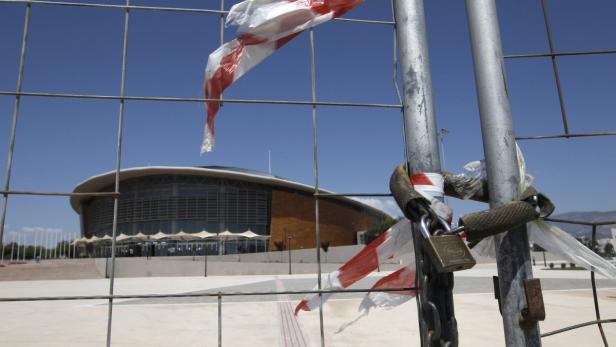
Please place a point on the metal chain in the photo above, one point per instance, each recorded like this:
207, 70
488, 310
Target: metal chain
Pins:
431, 326
431, 321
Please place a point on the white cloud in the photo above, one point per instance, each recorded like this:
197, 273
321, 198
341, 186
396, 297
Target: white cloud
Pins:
388, 206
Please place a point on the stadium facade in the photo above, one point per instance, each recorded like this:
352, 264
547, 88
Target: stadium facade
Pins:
218, 199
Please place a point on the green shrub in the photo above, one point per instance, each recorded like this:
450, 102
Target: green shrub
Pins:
377, 229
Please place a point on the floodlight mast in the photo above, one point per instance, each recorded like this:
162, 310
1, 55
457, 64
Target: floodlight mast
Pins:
512, 249
422, 155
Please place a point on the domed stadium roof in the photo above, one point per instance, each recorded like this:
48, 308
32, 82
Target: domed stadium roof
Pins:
100, 182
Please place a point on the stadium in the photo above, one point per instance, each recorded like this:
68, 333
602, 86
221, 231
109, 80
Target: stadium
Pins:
197, 210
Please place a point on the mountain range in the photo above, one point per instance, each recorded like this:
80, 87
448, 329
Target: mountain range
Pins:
587, 216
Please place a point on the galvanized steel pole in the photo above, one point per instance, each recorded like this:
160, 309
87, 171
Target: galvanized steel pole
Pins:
422, 152
419, 117
219, 319
512, 249
116, 200
11, 149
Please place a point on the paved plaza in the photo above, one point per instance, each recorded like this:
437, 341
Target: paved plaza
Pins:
268, 320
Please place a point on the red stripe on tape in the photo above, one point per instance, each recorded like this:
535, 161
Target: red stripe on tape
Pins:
403, 278
421, 179
364, 262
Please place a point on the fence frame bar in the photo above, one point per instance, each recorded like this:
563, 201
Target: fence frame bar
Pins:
512, 251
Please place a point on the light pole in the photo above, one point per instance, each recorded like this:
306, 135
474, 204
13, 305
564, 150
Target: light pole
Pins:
55, 246
47, 245
25, 241
75, 245
12, 247
545, 263
289, 237
204, 260
35, 244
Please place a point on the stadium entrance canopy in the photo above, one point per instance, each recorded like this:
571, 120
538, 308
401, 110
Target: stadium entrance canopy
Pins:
180, 236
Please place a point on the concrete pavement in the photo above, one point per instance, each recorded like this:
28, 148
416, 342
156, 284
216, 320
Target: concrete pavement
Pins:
265, 320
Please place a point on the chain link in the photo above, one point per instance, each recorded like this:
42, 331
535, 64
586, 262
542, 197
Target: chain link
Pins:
429, 316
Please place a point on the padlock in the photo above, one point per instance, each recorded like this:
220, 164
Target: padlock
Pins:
448, 252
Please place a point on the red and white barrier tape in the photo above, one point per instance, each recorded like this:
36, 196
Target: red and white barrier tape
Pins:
393, 242
396, 240
264, 26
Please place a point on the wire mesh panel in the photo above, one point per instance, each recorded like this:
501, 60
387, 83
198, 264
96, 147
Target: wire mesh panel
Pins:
130, 13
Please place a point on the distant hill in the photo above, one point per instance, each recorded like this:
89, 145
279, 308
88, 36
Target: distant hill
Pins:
590, 216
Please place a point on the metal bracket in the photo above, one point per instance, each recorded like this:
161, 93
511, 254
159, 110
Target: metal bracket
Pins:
497, 293
535, 310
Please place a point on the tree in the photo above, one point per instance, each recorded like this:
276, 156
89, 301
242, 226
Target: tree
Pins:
608, 249
585, 241
7, 249
379, 228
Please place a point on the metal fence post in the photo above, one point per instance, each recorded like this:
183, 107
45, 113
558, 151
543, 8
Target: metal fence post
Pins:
315, 156
116, 199
9, 161
593, 245
512, 249
422, 155
219, 319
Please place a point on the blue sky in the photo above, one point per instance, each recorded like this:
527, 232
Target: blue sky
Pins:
61, 142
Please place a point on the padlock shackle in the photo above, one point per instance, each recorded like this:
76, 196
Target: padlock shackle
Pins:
455, 231
423, 225
444, 224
